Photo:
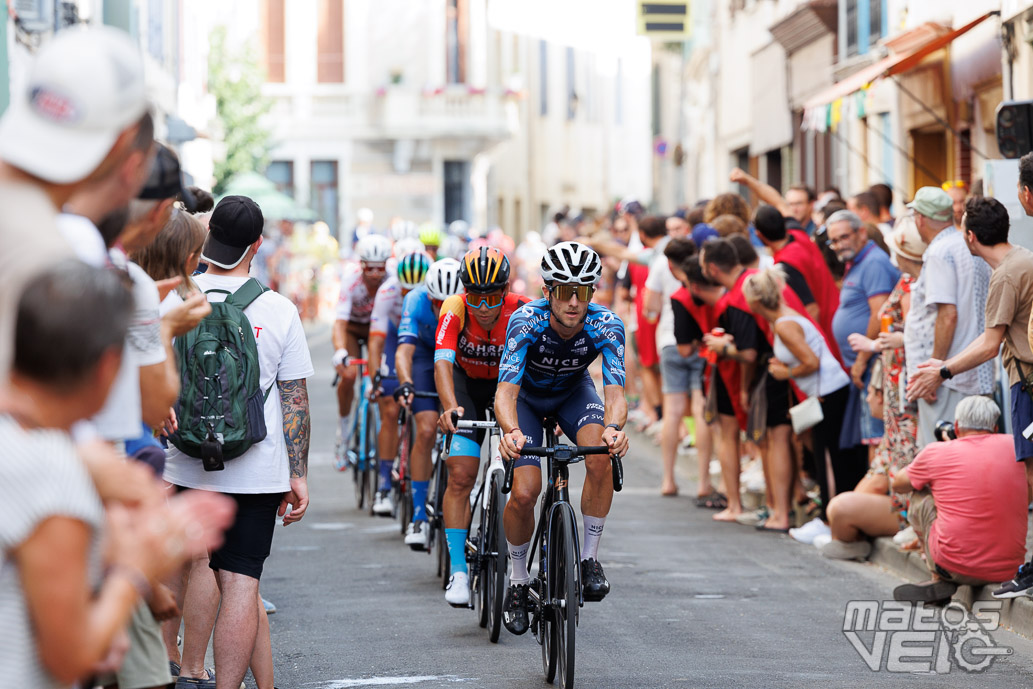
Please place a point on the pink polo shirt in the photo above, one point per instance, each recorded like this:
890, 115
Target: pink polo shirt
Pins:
980, 495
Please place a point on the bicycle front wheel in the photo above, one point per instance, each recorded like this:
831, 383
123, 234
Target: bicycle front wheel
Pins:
565, 600
493, 574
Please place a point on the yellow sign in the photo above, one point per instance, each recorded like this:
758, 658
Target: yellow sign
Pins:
665, 20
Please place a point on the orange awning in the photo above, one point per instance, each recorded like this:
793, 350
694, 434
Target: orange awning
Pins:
887, 66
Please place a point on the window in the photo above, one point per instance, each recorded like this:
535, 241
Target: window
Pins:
324, 192
851, 26
273, 39
543, 78
866, 22
455, 41
330, 42
281, 173
571, 84
876, 28
457, 183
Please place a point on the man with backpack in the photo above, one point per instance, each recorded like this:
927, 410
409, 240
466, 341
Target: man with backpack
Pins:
223, 448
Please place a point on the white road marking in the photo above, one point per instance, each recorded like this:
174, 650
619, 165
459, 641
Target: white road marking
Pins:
389, 681
331, 526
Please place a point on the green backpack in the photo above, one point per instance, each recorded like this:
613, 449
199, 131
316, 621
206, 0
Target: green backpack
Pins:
221, 406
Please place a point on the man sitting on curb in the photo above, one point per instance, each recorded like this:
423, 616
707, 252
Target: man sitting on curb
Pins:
968, 505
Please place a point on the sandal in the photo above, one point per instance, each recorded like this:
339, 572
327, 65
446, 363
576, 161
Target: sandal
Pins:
714, 501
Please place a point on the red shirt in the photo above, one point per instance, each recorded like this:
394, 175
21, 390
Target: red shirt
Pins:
980, 495
463, 341
803, 255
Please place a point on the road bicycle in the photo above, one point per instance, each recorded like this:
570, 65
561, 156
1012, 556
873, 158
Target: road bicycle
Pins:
555, 595
362, 450
401, 479
487, 555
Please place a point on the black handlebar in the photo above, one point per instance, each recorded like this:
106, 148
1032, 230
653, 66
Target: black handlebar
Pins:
569, 454
416, 394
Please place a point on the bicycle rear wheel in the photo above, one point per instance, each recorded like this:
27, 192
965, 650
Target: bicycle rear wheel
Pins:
359, 476
370, 449
493, 572
403, 504
563, 551
437, 521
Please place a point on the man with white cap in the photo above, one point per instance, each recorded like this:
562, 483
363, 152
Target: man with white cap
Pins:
951, 290
74, 119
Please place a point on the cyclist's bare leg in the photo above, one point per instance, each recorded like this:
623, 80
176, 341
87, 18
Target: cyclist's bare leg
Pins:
426, 430
462, 475
598, 492
518, 518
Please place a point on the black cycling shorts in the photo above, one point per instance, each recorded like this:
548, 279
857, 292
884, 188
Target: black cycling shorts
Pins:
475, 396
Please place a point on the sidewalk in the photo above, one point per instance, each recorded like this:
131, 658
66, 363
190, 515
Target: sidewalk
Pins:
1016, 614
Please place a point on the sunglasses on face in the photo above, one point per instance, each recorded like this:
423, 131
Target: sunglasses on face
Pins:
565, 292
490, 301
374, 268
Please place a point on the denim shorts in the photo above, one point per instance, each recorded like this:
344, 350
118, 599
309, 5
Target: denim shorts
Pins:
680, 374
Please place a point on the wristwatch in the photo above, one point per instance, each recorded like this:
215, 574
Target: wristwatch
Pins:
614, 426
945, 373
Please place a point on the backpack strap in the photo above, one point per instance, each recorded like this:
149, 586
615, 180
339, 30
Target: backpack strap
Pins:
247, 293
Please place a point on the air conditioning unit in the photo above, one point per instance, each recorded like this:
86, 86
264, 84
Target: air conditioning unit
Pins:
34, 15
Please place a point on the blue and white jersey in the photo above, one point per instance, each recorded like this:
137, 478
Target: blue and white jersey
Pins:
540, 361
419, 324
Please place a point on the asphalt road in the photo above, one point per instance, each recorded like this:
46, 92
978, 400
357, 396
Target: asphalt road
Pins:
693, 604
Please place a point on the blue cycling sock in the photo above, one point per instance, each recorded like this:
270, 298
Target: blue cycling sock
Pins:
457, 549
419, 500
385, 474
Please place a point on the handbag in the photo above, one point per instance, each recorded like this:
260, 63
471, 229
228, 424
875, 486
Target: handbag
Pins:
806, 415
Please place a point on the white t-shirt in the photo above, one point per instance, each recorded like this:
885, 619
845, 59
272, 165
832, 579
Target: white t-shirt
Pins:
282, 355
120, 418
84, 238
662, 280
40, 477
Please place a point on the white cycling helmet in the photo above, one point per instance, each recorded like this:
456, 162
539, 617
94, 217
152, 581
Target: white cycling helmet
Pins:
571, 263
373, 248
408, 245
443, 279
404, 229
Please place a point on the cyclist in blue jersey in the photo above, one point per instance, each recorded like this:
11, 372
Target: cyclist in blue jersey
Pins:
414, 364
383, 345
544, 372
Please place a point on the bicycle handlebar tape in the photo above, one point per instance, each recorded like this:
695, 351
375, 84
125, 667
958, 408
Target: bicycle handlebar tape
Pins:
507, 483
618, 472
455, 418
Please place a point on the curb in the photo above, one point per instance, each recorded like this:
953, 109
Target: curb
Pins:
1016, 613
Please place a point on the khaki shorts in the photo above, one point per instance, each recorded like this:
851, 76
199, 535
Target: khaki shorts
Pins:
147, 662
921, 512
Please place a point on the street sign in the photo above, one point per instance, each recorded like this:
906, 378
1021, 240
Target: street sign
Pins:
665, 20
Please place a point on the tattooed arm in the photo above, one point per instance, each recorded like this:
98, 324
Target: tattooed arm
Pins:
297, 427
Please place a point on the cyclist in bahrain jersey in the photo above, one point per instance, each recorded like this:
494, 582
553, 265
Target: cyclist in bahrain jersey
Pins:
414, 364
472, 334
544, 371
351, 327
383, 344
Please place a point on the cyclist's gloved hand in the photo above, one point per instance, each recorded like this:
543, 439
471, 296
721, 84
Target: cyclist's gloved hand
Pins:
445, 420
617, 440
340, 359
512, 443
374, 389
403, 393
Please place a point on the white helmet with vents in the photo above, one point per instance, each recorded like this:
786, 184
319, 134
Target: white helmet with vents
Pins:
443, 279
373, 248
571, 263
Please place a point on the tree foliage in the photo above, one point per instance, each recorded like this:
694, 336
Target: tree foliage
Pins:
235, 79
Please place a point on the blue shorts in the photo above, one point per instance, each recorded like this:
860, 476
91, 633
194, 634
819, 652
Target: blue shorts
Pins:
1021, 417
574, 409
423, 381
388, 376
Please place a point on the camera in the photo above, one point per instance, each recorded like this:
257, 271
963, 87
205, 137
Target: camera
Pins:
945, 431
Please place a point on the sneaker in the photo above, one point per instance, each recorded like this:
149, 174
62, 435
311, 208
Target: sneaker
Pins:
926, 592
383, 506
593, 580
842, 550
807, 532
416, 535
340, 453
822, 540
753, 518
514, 611
905, 536
1019, 586
269, 607
457, 593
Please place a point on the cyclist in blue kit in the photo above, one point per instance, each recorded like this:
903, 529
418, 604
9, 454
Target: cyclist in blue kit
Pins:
414, 365
550, 343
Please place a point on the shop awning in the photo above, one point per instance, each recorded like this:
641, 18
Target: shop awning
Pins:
892, 64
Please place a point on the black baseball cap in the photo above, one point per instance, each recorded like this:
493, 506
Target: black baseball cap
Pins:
235, 225
166, 180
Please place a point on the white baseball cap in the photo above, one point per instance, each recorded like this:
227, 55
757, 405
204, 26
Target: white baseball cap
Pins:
84, 88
